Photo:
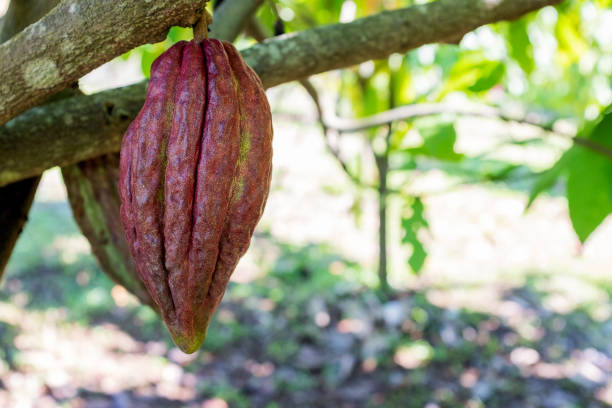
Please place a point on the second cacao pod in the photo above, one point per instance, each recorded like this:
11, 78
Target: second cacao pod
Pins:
195, 174
94, 198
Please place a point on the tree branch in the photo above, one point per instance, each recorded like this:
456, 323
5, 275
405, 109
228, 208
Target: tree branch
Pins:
427, 109
76, 37
424, 109
332, 148
22, 13
232, 11
87, 126
18, 197
292, 56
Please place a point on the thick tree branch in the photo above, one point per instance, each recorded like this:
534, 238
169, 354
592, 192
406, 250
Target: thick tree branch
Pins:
18, 197
66, 132
76, 37
321, 49
87, 126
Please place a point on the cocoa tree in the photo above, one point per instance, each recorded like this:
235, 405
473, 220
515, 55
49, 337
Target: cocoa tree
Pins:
36, 136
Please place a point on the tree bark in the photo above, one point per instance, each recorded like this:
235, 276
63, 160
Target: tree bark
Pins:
293, 56
14, 210
87, 126
76, 37
18, 197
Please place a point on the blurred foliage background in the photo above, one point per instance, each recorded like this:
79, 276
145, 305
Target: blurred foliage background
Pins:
436, 237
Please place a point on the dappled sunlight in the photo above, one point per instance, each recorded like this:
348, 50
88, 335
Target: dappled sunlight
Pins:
566, 293
69, 248
589, 365
605, 394
215, 403
413, 356
68, 357
524, 356
122, 297
469, 378
247, 270
351, 340
260, 370
354, 326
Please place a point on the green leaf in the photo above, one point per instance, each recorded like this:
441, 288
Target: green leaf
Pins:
519, 45
411, 226
577, 158
177, 34
589, 178
402, 161
126, 55
545, 181
439, 141
589, 184
492, 76
548, 178
356, 209
571, 44
589, 191
482, 169
602, 131
150, 52
473, 72
418, 256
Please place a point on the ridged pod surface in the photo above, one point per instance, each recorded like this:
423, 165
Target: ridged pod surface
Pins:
195, 175
93, 195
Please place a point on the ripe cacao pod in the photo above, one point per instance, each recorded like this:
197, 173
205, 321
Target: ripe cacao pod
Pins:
195, 174
94, 198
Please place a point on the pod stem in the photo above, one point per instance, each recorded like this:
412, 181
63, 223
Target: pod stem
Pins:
200, 30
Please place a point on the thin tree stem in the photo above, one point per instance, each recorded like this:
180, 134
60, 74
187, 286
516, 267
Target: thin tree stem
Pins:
382, 164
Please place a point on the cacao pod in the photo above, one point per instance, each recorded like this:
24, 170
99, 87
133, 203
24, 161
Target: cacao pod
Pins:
94, 198
195, 174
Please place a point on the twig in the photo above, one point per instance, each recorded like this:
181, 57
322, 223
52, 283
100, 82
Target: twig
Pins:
424, 109
382, 165
327, 135
593, 146
420, 110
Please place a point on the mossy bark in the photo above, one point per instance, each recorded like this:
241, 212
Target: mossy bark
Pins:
17, 197
93, 193
76, 37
